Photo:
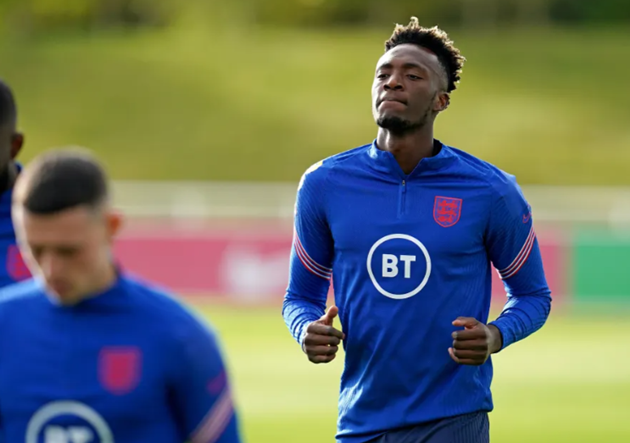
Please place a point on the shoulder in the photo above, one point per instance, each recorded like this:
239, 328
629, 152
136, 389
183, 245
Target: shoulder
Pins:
24, 292
318, 173
501, 184
18, 299
177, 320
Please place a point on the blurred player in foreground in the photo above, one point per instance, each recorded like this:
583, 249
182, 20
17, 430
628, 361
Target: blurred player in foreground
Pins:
12, 267
88, 353
408, 228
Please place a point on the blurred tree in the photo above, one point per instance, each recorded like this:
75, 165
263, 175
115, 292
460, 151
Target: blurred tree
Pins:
31, 16
487, 14
483, 14
132, 12
355, 12
533, 12
600, 11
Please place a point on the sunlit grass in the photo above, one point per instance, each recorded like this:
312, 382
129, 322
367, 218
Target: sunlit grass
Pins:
569, 382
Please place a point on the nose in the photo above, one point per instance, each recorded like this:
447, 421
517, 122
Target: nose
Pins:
393, 82
51, 266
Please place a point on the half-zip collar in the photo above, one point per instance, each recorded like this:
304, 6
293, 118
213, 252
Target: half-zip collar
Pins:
385, 161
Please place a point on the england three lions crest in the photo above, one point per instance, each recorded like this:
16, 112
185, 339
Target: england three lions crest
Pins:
447, 210
120, 369
16, 267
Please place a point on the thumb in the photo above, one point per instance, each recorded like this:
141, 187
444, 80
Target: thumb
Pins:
330, 315
466, 322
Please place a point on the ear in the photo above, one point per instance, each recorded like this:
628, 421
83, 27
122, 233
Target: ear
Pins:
17, 141
442, 100
114, 220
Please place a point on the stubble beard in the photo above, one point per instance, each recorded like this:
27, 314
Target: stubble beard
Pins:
399, 126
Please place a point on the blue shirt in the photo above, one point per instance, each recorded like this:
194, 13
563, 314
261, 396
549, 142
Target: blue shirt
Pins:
407, 255
130, 365
12, 267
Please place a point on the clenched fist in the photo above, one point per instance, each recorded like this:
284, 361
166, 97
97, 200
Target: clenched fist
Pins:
474, 344
321, 341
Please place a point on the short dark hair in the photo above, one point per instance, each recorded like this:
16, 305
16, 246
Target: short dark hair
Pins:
8, 108
435, 40
61, 179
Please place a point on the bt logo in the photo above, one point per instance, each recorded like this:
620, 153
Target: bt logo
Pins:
72, 434
399, 266
67, 422
390, 265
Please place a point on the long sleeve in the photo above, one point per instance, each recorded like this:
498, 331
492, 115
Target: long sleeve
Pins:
202, 396
310, 269
513, 250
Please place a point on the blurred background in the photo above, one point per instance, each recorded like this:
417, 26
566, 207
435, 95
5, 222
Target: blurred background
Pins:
206, 113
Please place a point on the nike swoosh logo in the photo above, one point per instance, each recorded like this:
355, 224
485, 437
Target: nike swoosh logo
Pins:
527, 217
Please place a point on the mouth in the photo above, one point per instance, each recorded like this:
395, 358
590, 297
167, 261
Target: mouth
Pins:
391, 100
392, 105
59, 288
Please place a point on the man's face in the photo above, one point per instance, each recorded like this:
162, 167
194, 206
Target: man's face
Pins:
69, 249
408, 89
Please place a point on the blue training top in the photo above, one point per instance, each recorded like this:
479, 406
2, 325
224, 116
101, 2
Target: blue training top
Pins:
407, 255
128, 365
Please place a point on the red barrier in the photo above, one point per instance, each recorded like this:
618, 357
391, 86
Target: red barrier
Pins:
247, 264
215, 263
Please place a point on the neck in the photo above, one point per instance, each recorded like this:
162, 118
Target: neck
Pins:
101, 282
8, 177
408, 149
105, 279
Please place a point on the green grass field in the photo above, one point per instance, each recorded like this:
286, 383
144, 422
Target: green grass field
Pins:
568, 383
263, 104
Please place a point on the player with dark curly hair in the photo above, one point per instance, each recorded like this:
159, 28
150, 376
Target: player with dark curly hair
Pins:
434, 40
431, 66
408, 228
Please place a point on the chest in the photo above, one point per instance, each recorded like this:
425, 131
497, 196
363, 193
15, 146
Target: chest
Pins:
445, 220
81, 372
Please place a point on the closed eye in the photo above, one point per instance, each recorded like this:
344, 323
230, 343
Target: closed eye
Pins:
67, 251
37, 251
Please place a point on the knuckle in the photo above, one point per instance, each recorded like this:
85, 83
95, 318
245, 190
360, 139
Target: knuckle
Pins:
313, 327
